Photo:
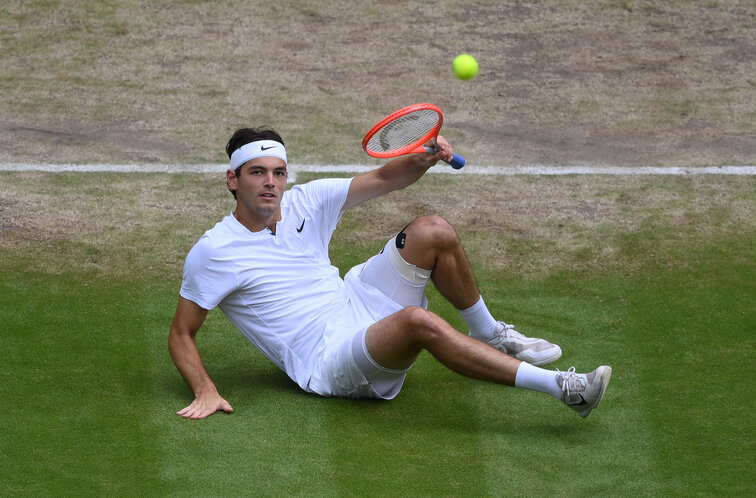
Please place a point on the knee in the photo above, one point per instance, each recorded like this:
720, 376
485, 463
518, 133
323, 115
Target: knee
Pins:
434, 228
424, 325
432, 223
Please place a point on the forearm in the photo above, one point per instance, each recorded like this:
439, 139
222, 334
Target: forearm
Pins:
406, 170
183, 348
403, 171
394, 175
188, 361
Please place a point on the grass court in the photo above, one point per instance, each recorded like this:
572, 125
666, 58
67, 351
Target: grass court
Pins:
91, 265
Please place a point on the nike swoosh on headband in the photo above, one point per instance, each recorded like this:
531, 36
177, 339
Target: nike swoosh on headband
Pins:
253, 150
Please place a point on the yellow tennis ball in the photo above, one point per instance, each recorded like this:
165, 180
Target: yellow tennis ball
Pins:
465, 67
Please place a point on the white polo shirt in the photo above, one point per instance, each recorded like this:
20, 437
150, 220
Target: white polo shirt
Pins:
280, 290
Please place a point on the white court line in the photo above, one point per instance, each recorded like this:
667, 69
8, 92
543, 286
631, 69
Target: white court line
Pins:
360, 168
555, 170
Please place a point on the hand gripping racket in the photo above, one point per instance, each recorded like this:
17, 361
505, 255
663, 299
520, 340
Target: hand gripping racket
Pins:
405, 132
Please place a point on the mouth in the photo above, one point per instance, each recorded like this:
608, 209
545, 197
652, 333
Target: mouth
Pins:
268, 195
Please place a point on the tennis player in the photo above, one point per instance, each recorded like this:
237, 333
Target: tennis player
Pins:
266, 266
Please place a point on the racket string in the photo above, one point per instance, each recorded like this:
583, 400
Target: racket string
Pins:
404, 131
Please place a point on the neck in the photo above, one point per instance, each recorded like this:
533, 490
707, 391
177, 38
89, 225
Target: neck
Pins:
258, 223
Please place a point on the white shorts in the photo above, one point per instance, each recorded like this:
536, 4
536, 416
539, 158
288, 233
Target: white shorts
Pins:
383, 285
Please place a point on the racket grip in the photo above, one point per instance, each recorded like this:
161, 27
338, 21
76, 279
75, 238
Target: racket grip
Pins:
457, 161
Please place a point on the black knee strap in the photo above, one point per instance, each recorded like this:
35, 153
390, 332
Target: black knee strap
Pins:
401, 237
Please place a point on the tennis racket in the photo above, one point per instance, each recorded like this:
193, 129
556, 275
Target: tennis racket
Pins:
405, 132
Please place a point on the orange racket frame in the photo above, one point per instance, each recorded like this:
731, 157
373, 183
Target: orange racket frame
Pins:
414, 147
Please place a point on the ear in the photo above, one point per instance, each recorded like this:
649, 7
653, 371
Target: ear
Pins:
231, 179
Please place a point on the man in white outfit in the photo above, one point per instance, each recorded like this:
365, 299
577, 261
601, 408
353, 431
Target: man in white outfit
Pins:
266, 265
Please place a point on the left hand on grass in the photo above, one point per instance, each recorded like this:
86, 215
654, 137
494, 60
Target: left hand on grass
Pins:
205, 405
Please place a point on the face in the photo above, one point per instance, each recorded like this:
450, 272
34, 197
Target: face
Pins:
259, 189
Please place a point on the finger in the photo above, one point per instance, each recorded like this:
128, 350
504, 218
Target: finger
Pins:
189, 413
191, 410
440, 155
197, 411
446, 152
446, 147
184, 411
206, 412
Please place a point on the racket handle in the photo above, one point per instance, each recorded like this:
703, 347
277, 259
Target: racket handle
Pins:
457, 161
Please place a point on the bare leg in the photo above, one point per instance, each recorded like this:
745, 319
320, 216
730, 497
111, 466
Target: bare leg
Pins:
396, 341
433, 244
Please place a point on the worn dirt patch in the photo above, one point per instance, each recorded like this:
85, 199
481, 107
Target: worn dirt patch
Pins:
127, 224
561, 82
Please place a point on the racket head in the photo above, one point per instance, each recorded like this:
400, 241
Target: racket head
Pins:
403, 131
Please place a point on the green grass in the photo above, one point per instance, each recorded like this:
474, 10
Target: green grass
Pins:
90, 394
89, 391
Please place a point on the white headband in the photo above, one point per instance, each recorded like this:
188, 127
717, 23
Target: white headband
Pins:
253, 150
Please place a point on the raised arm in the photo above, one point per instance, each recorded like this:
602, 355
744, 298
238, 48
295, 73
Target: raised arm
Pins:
187, 321
394, 175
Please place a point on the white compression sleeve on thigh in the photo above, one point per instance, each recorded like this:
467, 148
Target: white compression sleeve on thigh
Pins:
402, 282
537, 379
414, 274
479, 320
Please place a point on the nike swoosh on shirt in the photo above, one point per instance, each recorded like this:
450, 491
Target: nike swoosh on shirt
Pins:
299, 230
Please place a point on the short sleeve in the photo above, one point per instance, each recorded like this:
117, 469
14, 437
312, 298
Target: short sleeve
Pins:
327, 197
208, 278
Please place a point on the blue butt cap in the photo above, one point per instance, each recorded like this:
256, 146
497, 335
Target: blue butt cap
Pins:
457, 162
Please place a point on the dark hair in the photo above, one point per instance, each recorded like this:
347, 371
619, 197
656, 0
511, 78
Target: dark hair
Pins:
244, 136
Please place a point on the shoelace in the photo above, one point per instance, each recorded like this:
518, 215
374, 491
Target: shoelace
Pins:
509, 331
570, 380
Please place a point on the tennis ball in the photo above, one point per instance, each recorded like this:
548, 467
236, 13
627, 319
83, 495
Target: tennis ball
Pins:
465, 67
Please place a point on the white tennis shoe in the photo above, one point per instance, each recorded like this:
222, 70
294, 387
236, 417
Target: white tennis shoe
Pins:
583, 392
535, 351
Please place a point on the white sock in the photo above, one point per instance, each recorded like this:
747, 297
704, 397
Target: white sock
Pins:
537, 379
482, 325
